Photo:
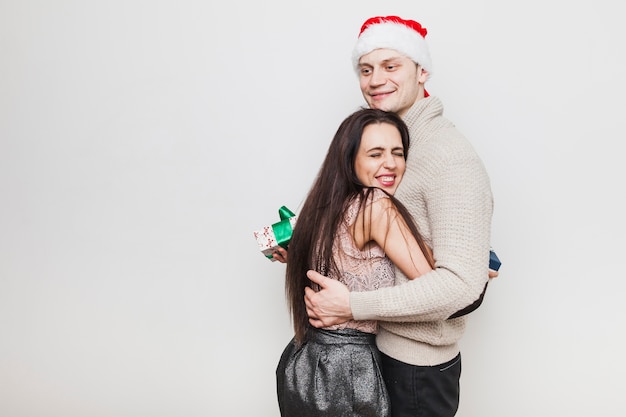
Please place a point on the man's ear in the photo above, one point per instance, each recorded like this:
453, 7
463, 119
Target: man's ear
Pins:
422, 75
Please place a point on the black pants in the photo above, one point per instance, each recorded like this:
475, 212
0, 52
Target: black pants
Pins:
422, 391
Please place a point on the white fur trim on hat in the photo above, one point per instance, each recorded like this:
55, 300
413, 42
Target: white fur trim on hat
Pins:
391, 35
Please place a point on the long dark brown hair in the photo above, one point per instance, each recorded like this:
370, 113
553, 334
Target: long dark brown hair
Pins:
335, 188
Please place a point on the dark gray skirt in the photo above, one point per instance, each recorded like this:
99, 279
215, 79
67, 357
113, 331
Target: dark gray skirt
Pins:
335, 373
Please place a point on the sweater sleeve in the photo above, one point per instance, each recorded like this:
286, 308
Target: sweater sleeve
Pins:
458, 200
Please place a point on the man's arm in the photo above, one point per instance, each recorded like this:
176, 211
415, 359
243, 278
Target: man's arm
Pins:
459, 204
493, 273
331, 305
472, 307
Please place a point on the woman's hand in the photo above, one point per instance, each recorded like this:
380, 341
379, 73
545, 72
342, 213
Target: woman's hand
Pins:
280, 254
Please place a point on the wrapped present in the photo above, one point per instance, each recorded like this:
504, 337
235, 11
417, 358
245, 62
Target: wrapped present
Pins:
278, 234
494, 261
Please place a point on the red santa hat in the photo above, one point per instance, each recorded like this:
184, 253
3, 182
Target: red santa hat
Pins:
393, 32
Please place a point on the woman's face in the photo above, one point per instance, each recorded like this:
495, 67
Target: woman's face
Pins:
380, 160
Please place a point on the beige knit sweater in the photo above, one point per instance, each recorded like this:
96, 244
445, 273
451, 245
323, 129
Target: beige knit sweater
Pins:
447, 190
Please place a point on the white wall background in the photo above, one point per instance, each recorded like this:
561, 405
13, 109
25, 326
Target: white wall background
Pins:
141, 142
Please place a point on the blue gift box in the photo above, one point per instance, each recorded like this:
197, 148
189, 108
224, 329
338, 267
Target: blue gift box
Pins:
494, 261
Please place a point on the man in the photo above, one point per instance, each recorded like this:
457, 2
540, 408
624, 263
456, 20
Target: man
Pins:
447, 190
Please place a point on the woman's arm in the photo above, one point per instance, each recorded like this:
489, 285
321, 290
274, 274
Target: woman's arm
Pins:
382, 224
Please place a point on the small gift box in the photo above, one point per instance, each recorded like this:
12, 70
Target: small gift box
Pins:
494, 261
271, 237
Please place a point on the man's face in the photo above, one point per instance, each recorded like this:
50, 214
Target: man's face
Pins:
390, 81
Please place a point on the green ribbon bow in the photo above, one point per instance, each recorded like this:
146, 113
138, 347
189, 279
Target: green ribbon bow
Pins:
282, 229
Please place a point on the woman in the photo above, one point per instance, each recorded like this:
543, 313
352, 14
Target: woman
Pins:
352, 229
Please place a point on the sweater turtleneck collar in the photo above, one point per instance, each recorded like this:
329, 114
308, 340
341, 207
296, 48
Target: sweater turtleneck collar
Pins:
420, 114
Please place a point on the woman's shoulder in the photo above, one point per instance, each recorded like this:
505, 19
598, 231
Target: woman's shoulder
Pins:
370, 202
381, 200
379, 207
380, 196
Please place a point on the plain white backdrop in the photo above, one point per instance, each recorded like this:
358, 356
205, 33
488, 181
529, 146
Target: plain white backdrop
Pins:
141, 143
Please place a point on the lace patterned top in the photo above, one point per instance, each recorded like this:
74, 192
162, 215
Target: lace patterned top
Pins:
362, 270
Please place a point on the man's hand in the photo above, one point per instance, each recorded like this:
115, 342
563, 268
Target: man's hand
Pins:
330, 305
493, 274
